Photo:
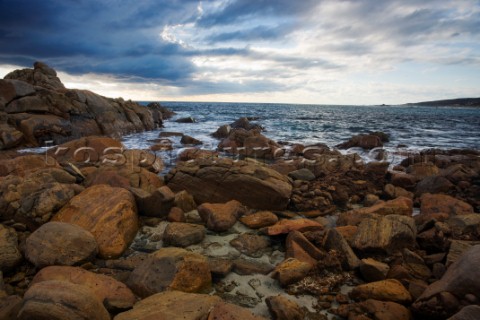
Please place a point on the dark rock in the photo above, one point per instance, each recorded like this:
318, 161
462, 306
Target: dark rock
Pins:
282, 308
248, 267
186, 120
333, 240
183, 234
190, 140
365, 141
250, 244
471, 312
373, 270
10, 256
433, 184
155, 204
302, 174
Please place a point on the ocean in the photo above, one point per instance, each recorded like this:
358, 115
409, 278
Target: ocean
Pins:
412, 127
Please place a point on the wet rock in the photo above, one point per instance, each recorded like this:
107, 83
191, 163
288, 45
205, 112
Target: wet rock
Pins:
299, 247
460, 282
59, 243
190, 140
172, 305
250, 143
248, 267
155, 204
108, 213
441, 203
170, 269
250, 183
302, 174
290, 271
384, 290
259, 219
113, 294
373, 270
10, 256
333, 240
385, 234
186, 120
222, 132
183, 234
285, 226
250, 244
365, 141
221, 216
196, 153
282, 308
162, 145
61, 300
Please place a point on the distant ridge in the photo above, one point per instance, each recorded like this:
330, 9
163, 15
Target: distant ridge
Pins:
461, 102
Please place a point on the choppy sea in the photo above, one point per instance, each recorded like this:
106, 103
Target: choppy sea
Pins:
414, 128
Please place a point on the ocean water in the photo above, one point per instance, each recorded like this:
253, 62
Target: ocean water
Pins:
417, 128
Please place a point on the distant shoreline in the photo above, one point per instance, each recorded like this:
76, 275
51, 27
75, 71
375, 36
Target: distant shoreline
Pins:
461, 102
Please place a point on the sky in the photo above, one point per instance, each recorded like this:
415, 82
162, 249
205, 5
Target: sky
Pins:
279, 51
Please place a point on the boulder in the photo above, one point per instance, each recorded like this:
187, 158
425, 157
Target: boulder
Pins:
398, 206
471, 312
302, 174
259, 219
290, 271
441, 203
172, 305
11, 89
433, 184
251, 144
221, 216
385, 234
190, 140
285, 226
250, 183
24, 165
10, 256
185, 201
176, 215
110, 214
465, 226
59, 243
9, 307
41, 75
155, 204
384, 290
113, 294
228, 311
170, 269
460, 282
365, 141
374, 309
282, 308
422, 170
333, 240
373, 270
183, 234
299, 247
186, 120
222, 132
196, 153
251, 245
56, 299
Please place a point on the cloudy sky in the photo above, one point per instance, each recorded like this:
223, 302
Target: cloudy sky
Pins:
306, 51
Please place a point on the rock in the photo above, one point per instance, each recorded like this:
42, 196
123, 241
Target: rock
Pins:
259, 219
290, 271
403, 180
285, 226
457, 249
370, 200
365, 141
91, 149
333, 240
10, 256
221, 216
302, 174
250, 144
142, 159
244, 123
110, 214
252, 184
434, 184
374, 309
422, 170
282, 308
250, 244
155, 204
176, 215
190, 140
61, 300
385, 234
415, 265
196, 153
170, 269
249, 267
186, 120
465, 226
398, 206
185, 201
113, 294
162, 145
220, 267
25, 165
59, 243
299, 247
373, 270
11, 89
172, 305
228, 311
9, 307
222, 132
183, 234
165, 134
384, 290
441, 203
471, 312
394, 192
460, 282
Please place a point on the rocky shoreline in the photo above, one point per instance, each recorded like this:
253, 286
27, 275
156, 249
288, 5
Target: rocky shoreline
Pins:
257, 229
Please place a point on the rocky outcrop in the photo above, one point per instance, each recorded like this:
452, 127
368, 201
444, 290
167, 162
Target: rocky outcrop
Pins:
39, 109
250, 183
110, 214
365, 141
